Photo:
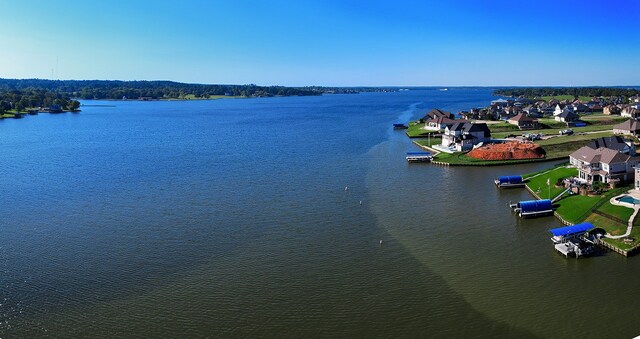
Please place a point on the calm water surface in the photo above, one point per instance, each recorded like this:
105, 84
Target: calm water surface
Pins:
230, 218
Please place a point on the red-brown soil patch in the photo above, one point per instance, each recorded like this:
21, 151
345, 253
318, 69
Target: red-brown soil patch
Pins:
512, 150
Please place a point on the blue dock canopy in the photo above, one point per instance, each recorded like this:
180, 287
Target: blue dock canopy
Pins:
510, 179
418, 153
578, 228
535, 205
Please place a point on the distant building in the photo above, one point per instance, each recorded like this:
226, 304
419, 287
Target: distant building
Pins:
616, 143
55, 108
437, 113
629, 127
630, 112
523, 121
500, 102
611, 109
567, 116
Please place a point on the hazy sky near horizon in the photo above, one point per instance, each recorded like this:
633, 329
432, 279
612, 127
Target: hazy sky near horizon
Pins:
325, 42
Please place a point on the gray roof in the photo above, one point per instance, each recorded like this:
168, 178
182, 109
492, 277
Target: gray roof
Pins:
467, 127
615, 143
603, 155
629, 125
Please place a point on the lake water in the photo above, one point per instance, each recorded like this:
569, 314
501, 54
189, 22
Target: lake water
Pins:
230, 218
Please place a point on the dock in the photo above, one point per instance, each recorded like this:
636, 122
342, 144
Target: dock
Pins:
533, 208
572, 240
509, 181
419, 156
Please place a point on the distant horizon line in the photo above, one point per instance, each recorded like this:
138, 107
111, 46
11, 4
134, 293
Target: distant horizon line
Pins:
338, 86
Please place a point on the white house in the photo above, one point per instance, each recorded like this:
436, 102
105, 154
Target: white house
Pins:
463, 136
559, 110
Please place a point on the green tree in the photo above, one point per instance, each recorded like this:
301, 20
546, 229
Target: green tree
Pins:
73, 105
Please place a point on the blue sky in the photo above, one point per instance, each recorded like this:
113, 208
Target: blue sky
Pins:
330, 43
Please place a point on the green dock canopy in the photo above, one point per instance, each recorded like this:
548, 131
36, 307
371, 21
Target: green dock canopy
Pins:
578, 228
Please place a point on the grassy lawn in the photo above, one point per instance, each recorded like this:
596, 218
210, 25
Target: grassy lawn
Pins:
603, 119
503, 127
529, 175
574, 208
7, 115
539, 183
620, 243
620, 212
463, 159
415, 130
550, 131
562, 146
429, 142
612, 227
561, 139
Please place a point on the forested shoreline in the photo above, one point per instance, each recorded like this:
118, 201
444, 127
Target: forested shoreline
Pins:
115, 89
532, 92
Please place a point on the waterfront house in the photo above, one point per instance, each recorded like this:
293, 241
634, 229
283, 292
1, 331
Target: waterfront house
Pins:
500, 102
462, 136
610, 109
523, 121
603, 165
567, 116
630, 112
629, 127
439, 123
616, 143
55, 108
437, 113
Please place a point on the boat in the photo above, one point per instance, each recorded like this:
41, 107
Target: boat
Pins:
400, 126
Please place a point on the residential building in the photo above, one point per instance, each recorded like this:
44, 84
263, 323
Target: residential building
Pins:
439, 123
567, 116
463, 136
616, 143
629, 127
630, 112
523, 121
603, 165
611, 109
437, 113
561, 108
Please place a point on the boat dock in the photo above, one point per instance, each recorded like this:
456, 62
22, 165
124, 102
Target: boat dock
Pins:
419, 156
571, 240
509, 181
533, 208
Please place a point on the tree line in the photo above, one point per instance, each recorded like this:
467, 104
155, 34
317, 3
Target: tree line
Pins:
113, 89
21, 99
532, 92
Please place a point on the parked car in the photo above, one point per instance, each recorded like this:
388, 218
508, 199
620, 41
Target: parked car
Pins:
567, 131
